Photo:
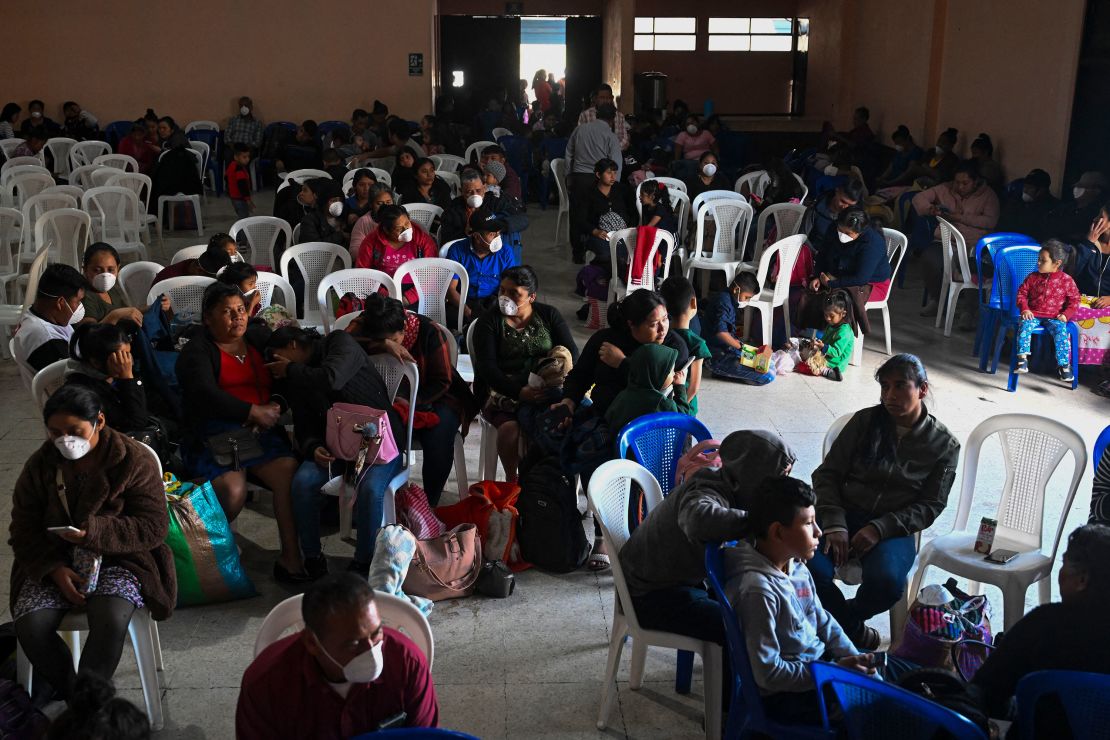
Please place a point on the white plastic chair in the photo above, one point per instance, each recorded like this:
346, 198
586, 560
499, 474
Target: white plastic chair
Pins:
771, 297
620, 285
100, 176
788, 219
708, 195
84, 152
299, 176
383, 175
48, 380
66, 232
123, 162
72, 191
501, 131
424, 214
188, 253
680, 202
476, 148
139, 184
487, 447
559, 172
431, 277
186, 293
59, 148
896, 244
448, 162
451, 179
345, 320
900, 611
951, 240
120, 220
314, 260
732, 219
262, 235
393, 371
395, 613
165, 200
201, 126
267, 283
12, 313
22, 186
11, 229
672, 183
609, 492
360, 281
13, 170
35, 206
82, 176
13, 162
385, 164
7, 146
136, 279
755, 181
1032, 449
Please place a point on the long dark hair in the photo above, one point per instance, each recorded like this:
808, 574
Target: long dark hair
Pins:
880, 441
75, 400
633, 310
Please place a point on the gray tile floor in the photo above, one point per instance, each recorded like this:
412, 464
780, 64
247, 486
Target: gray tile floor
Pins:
532, 666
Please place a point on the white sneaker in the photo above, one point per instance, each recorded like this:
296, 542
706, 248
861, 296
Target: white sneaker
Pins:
930, 309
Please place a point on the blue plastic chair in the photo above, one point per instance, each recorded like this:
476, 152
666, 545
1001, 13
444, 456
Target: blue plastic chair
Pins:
267, 135
745, 715
518, 153
115, 131
988, 303
1100, 446
657, 442
415, 733
327, 127
1012, 266
213, 139
873, 708
1085, 696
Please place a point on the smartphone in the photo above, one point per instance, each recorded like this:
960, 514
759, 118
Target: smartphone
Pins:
878, 660
1001, 556
71, 530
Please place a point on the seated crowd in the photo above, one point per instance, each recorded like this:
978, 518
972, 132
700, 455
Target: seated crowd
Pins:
243, 375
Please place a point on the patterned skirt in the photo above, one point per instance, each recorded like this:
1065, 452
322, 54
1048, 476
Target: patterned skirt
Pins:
114, 581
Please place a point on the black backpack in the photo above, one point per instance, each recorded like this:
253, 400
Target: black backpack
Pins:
550, 528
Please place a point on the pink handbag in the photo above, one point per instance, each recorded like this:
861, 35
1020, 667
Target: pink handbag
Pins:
349, 423
415, 513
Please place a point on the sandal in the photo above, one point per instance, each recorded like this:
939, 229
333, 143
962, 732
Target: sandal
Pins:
598, 562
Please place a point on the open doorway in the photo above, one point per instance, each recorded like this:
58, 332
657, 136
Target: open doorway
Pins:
543, 47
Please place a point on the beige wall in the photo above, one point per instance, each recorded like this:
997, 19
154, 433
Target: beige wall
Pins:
193, 60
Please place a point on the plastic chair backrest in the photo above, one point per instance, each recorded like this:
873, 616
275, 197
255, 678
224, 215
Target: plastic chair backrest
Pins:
188, 253
118, 209
451, 179
72, 191
787, 250
383, 175
952, 241
395, 612
896, 244
201, 126
100, 176
646, 279
672, 183
449, 341
991, 243
48, 380
834, 431
732, 219
715, 195
137, 183
345, 320
788, 219
11, 228
7, 146
267, 282
136, 279
1011, 266
123, 162
360, 281
448, 162
1100, 447
431, 277
13, 162
299, 176
393, 371
34, 272
262, 234
116, 130
37, 205
501, 131
657, 442
66, 230
757, 182
1032, 449
82, 175
424, 214
186, 294
59, 148
1085, 698
609, 492
84, 152
24, 185
476, 149
873, 708
315, 260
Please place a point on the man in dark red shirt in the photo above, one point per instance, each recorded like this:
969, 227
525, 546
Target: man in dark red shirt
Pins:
342, 675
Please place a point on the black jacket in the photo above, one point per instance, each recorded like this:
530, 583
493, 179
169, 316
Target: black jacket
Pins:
198, 374
608, 381
440, 195
596, 204
338, 372
486, 339
454, 216
124, 403
315, 228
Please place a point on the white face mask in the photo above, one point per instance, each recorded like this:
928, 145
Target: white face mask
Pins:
692, 130
104, 281
495, 244
71, 447
474, 201
78, 315
249, 293
1027, 197
495, 190
364, 667
1077, 193
844, 238
237, 258
899, 148
505, 303
831, 170
939, 150
36, 114
336, 209
709, 169
405, 236
244, 110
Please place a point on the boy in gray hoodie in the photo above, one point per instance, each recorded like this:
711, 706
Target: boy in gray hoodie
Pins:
785, 627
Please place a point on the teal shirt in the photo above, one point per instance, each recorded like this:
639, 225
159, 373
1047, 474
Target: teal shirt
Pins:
699, 350
839, 341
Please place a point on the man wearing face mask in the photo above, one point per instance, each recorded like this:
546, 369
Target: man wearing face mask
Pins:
475, 193
485, 257
243, 129
1071, 220
44, 333
36, 118
1027, 212
344, 674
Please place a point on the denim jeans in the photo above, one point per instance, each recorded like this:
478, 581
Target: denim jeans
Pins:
437, 445
307, 498
884, 578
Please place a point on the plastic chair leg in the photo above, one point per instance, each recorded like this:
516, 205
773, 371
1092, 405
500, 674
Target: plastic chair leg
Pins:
1073, 333
946, 282
857, 351
886, 329
684, 672
950, 308
608, 688
1044, 589
1013, 604
140, 631
639, 657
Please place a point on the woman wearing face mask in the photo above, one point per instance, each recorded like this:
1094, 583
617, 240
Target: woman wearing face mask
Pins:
708, 177
691, 143
443, 400
324, 223
427, 188
485, 258
906, 154
107, 301
358, 203
379, 195
506, 345
225, 388
88, 491
937, 165
396, 241
100, 360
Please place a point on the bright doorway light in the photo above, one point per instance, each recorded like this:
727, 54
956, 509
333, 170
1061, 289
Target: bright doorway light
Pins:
543, 45
457, 79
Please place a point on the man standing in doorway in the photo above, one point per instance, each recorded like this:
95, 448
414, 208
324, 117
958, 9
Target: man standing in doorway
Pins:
590, 142
604, 96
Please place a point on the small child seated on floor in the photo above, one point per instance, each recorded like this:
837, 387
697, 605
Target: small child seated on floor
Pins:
1048, 298
682, 307
837, 338
651, 372
719, 314
785, 627
245, 277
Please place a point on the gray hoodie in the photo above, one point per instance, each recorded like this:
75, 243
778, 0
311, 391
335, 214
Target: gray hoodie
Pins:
668, 548
785, 627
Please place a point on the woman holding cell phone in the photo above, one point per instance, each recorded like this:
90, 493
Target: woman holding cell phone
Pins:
88, 528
